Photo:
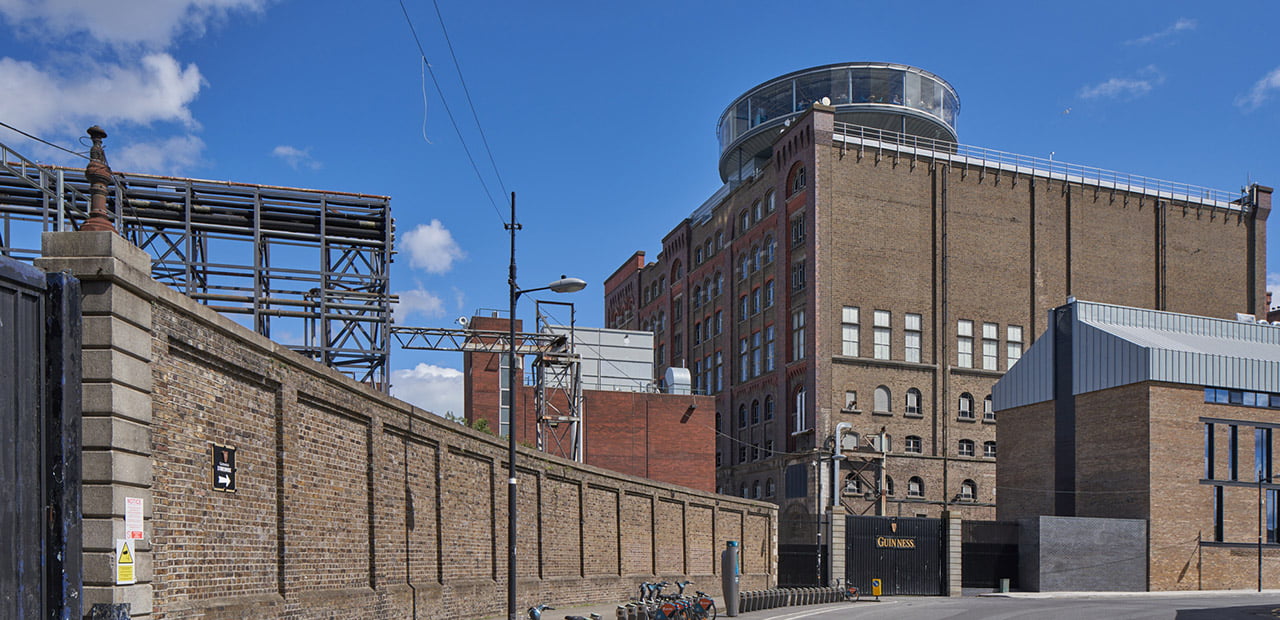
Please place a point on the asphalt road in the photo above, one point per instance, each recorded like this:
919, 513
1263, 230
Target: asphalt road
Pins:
1084, 607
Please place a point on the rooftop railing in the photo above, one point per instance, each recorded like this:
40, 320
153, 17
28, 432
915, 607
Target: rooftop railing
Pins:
979, 157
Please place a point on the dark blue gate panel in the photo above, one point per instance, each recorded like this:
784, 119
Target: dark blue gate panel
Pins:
904, 553
22, 486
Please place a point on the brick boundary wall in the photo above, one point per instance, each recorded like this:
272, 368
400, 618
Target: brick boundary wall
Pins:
348, 503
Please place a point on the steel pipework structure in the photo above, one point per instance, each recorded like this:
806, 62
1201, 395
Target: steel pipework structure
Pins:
312, 264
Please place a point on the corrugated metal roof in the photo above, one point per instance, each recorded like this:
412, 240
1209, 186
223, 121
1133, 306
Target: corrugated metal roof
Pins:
1118, 345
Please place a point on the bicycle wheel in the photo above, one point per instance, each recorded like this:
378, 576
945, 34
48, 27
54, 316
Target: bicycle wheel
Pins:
711, 613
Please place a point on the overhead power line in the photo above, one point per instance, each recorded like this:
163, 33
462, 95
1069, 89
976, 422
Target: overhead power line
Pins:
42, 140
423, 55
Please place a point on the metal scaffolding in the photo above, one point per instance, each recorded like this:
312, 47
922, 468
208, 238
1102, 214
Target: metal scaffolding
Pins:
312, 264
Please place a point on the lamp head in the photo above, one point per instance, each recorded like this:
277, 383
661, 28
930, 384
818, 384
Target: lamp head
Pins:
567, 285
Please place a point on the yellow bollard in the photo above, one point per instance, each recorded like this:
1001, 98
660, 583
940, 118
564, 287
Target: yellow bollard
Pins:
876, 588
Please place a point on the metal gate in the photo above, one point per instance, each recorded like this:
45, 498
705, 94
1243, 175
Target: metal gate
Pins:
989, 553
801, 566
39, 443
904, 553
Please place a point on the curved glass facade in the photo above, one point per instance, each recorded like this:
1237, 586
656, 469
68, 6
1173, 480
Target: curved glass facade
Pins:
861, 86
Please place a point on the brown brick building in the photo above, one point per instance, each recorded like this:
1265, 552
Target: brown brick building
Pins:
1128, 413
861, 267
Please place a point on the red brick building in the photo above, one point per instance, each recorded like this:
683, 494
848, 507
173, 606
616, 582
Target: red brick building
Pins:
661, 436
1128, 413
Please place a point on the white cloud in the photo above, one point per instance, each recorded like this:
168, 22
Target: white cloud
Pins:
434, 388
1261, 91
431, 247
459, 298
1125, 88
296, 157
1181, 25
169, 156
156, 89
417, 301
149, 23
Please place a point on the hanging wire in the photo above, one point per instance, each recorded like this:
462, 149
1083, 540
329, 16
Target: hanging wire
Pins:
467, 92
42, 140
423, 54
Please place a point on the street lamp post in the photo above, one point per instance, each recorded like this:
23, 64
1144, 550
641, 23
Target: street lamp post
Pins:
563, 285
1261, 479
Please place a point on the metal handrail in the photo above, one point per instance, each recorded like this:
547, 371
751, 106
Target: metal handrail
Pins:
1026, 164
71, 200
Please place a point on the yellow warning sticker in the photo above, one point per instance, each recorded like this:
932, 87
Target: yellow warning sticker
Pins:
124, 562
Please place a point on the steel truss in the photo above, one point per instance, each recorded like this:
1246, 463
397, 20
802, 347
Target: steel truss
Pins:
314, 264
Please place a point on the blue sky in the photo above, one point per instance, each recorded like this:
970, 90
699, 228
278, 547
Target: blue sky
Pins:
601, 115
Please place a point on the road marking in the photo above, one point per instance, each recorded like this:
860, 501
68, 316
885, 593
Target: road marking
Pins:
813, 612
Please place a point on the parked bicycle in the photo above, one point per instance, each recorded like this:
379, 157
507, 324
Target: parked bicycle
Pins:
848, 591
535, 613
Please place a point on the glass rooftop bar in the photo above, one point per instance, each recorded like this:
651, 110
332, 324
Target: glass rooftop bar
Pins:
895, 97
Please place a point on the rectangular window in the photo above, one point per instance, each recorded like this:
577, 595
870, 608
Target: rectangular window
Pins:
964, 343
1233, 445
1273, 496
768, 348
849, 330
850, 400
1208, 451
706, 374
743, 369
696, 376
797, 231
742, 308
1217, 513
756, 353
912, 324
755, 301
719, 321
797, 335
677, 308
801, 412
990, 346
1262, 453
881, 321
719, 371
1013, 344
768, 294
797, 276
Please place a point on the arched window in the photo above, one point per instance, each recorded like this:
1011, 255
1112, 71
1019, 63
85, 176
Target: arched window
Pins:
915, 487
913, 402
697, 256
719, 282
801, 422
696, 297
768, 407
755, 412
758, 210
770, 246
742, 415
888, 485
770, 487
968, 491
966, 447
768, 203
757, 258
697, 333
676, 271
881, 402
988, 411
755, 490
745, 266
913, 445
966, 406
744, 490
796, 180
989, 449
719, 421
744, 221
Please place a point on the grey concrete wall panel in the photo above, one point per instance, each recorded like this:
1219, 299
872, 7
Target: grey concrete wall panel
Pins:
1075, 554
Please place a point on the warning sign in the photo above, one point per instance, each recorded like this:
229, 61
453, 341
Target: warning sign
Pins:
133, 518
124, 562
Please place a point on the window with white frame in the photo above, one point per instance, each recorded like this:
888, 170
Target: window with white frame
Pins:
888, 485
1013, 345
768, 294
990, 346
964, 343
968, 491
881, 402
719, 321
719, 283
745, 266
758, 208
915, 487
797, 276
797, 335
769, 205
769, 348
755, 413
852, 485
913, 402
988, 410
743, 369
755, 354
770, 249
849, 330
966, 406
911, 337
743, 307
966, 447
801, 415
913, 445
989, 449
881, 322
744, 221
755, 300
755, 259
